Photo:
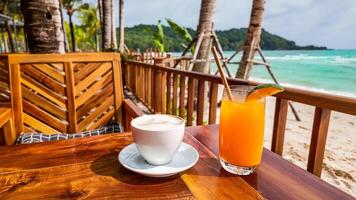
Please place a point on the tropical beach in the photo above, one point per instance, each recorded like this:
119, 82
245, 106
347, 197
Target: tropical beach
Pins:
179, 99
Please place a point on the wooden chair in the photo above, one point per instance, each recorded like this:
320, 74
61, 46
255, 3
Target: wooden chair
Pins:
64, 93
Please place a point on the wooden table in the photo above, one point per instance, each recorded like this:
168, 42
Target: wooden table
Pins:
88, 168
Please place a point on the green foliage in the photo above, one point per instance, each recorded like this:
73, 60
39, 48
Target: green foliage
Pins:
181, 31
158, 35
137, 37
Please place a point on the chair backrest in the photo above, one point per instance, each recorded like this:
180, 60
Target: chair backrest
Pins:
65, 93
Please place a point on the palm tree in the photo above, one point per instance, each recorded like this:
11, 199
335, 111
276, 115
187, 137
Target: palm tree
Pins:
107, 24
72, 6
90, 24
113, 26
121, 26
206, 19
252, 40
43, 26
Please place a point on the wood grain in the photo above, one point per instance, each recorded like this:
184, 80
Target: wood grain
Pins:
182, 89
190, 104
318, 140
279, 125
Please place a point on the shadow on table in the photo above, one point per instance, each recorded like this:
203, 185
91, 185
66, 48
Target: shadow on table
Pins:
108, 165
211, 167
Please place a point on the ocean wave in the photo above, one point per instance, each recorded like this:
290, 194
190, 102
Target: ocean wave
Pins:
308, 88
302, 57
343, 60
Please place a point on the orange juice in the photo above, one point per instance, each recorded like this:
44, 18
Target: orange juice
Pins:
241, 133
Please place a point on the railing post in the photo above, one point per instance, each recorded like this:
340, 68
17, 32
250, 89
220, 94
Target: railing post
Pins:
279, 126
318, 140
159, 83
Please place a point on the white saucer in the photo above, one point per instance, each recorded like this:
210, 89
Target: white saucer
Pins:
186, 157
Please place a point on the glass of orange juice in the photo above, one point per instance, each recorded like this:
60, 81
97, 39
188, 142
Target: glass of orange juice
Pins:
241, 131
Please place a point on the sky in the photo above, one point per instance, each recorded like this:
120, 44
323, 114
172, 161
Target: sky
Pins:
330, 23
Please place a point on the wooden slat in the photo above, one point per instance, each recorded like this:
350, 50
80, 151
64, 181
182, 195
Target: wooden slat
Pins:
84, 71
152, 89
279, 125
43, 103
93, 89
92, 116
169, 93
42, 90
182, 96
5, 116
16, 97
44, 116
38, 125
200, 102
43, 78
158, 91
91, 78
149, 86
50, 71
190, 112
175, 95
71, 103
318, 140
118, 88
213, 102
103, 120
95, 101
163, 92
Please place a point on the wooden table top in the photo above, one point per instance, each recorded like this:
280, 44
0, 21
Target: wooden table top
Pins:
88, 168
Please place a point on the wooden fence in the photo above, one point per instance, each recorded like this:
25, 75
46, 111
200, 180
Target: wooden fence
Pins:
172, 91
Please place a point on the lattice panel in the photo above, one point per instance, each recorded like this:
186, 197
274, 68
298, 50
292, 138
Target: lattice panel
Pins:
4, 82
44, 98
94, 94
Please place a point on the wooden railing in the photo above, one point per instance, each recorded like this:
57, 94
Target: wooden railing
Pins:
148, 56
173, 91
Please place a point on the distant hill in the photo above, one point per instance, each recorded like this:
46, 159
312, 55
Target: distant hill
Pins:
141, 36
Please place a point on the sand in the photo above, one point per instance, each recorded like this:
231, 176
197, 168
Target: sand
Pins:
339, 167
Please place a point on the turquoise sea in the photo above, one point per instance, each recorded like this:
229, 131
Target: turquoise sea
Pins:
331, 71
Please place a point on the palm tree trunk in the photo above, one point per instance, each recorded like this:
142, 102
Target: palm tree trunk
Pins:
252, 40
121, 26
72, 35
113, 26
66, 44
206, 19
43, 26
6, 46
11, 39
107, 42
100, 8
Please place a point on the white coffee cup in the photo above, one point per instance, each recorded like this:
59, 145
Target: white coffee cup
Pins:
157, 137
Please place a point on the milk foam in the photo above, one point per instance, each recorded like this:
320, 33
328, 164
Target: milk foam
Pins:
156, 122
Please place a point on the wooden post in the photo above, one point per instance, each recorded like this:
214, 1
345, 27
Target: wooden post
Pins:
213, 102
318, 140
201, 102
159, 96
16, 97
71, 103
279, 125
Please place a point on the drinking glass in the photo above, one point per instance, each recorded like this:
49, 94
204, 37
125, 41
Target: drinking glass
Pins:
241, 131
